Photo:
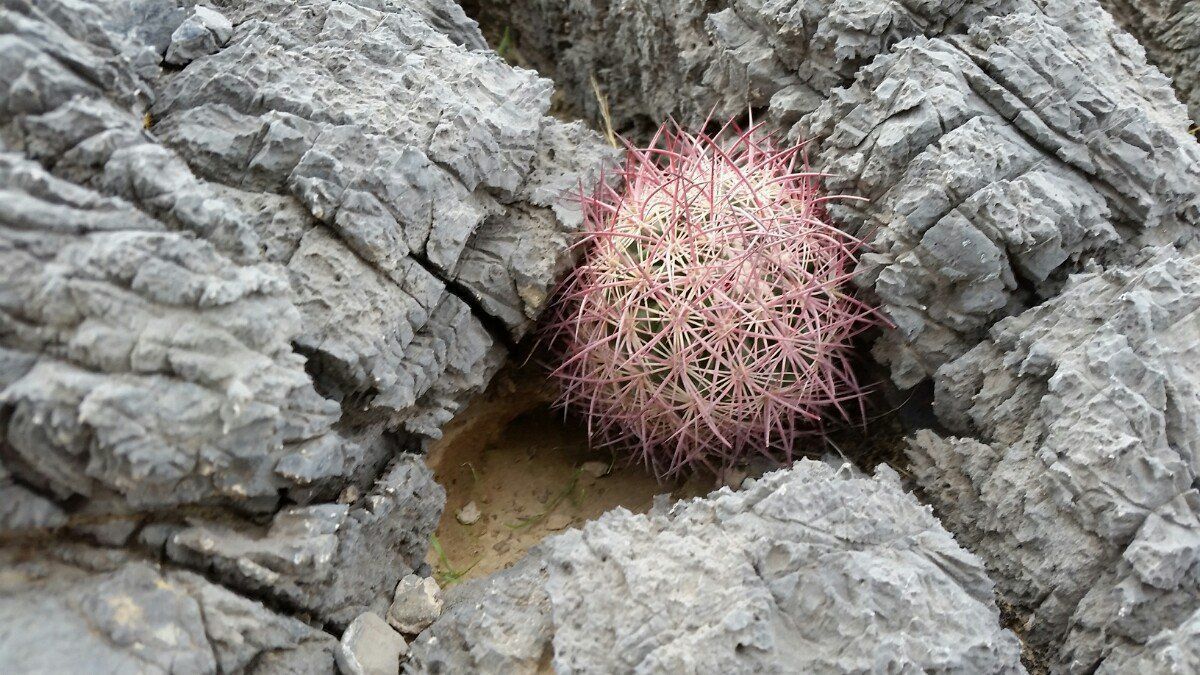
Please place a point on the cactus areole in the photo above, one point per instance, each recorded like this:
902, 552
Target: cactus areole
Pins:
710, 317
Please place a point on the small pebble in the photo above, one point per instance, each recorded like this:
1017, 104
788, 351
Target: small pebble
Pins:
469, 514
416, 604
370, 647
594, 469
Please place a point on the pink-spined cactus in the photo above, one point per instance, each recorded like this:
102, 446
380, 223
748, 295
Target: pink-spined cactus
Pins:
710, 317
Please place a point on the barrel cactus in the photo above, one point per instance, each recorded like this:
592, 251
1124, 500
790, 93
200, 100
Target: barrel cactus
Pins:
709, 317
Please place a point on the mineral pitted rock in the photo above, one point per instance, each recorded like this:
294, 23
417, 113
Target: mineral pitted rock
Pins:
1170, 33
103, 612
1075, 474
417, 603
983, 193
806, 570
370, 647
203, 32
236, 288
164, 372
334, 559
690, 59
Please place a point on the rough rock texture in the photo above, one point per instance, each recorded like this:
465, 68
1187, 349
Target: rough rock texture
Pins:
1170, 32
687, 58
202, 33
998, 161
806, 570
1076, 474
99, 610
332, 559
236, 289
995, 161
416, 604
370, 647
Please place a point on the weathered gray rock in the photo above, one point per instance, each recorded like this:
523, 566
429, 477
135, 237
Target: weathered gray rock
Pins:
1170, 32
370, 647
469, 514
203, 32
417, 604
984, 196
806, 570
687, 58
335, 560
97, 611
329, 281
1076, 474
1171, 651
995, 161
234, 293
163, 371
22, 508
502, 623
998, 161
448, 163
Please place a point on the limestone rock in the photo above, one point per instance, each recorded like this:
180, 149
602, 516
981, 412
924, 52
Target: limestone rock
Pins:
595, 469
332, 559
417, 603
237, 292
687, 58
469, 514
203, 32
95, 611
237, 302
1075, 474
983, 194
1170, 33
370, 647
806, 570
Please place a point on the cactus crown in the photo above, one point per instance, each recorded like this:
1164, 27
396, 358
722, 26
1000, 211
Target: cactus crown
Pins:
709, 317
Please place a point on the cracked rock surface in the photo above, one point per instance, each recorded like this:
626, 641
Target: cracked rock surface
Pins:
687, 58
999, 162
993, 168
805, 570
252, 254
96, 610
1074, 468
1170, 32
